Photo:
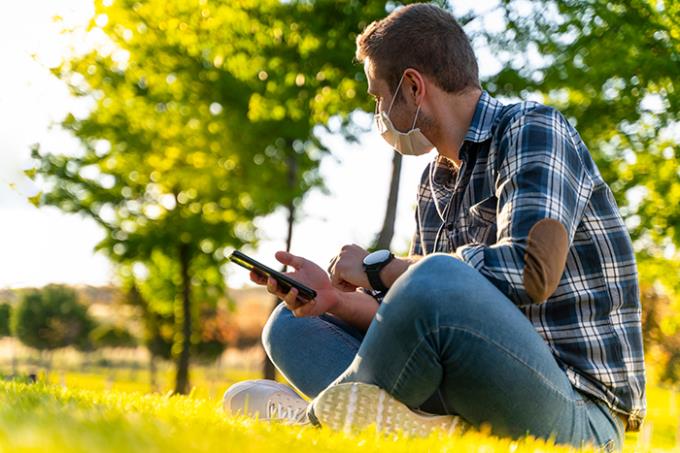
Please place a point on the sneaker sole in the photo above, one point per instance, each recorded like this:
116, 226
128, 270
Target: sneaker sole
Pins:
352, 407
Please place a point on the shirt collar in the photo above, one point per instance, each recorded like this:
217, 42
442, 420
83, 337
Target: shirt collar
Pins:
486, 112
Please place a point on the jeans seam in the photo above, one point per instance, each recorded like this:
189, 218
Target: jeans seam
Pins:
401, 373
488, 340
441, 399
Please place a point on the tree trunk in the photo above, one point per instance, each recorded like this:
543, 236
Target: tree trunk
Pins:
48, 364
387, 232
14, 357
153, 375
269, 370
182, 376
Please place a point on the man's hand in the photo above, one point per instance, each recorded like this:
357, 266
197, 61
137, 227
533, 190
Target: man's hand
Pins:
308, 274
347, 269
348, 274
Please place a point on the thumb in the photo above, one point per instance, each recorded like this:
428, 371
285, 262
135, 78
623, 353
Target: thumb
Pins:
290, 260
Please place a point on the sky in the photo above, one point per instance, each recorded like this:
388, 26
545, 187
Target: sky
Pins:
43, 245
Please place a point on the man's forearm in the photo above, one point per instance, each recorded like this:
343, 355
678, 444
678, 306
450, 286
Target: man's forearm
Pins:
390, 273
356, 308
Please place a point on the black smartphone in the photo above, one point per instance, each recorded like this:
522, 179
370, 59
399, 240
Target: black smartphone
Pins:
284, 282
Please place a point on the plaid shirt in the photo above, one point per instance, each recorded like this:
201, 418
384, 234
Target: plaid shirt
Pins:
522, 163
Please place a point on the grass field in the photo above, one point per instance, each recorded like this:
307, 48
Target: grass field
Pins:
36, 417
81, 415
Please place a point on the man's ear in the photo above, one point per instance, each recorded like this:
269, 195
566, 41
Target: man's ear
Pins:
415, 84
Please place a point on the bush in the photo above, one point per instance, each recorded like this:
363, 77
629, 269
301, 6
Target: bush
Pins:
5, 311
51, 318
109, 336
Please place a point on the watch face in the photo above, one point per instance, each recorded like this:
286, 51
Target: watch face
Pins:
376, 257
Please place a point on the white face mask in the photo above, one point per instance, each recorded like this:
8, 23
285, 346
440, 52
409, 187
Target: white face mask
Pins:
410, 143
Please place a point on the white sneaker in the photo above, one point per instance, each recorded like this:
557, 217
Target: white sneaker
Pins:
353, 406
266, 400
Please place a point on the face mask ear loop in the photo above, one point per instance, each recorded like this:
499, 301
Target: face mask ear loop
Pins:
396, 93
415, 119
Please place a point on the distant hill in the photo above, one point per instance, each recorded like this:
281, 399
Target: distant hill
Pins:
107, 295
87, 294
252, 305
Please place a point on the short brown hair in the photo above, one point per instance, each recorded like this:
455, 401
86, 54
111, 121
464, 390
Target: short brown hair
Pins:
423, 37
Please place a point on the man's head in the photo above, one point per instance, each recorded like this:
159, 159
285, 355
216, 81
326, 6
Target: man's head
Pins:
423, 73
423, 37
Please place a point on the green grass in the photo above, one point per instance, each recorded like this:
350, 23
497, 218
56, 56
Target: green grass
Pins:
52, 417
39, 417
205, 382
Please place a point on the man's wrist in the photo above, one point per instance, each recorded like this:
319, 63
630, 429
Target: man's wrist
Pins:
391, 272
338, 307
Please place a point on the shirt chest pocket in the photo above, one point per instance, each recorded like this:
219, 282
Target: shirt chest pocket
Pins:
482, 221
485, 211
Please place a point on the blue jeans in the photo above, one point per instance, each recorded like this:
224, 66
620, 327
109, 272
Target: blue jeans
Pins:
447, 341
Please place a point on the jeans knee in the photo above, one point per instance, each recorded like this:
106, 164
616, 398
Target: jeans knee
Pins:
430, 273
275, 328
436, 266
418, 291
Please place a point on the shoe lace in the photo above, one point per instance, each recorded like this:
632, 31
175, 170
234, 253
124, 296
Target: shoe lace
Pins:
293, 415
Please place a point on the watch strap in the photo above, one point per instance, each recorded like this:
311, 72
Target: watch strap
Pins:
373, 274
375, 280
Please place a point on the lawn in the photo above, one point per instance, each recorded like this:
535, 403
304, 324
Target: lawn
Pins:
52, 417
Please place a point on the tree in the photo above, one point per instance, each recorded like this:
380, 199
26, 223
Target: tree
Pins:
610, 67
172, 164
111, 336
198, 110
51, 318
384, 238
5, 312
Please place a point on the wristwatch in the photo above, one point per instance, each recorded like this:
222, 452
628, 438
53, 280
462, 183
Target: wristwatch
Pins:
373, 264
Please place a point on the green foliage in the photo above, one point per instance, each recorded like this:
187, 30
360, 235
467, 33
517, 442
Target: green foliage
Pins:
5, 312
611, 67
156, 296
202, 119
110, 336
51, 318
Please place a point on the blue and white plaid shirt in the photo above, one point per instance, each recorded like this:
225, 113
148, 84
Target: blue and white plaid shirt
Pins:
522, 163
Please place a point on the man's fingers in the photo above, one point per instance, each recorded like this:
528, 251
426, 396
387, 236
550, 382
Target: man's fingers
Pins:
258, 278
304, 309
272, 287
346, 286
291, 299
340, 283
289, 259
331, 265
297, 306
336, 280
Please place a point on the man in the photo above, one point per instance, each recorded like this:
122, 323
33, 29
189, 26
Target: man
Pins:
518, 305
